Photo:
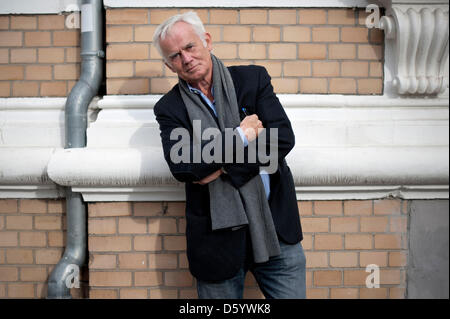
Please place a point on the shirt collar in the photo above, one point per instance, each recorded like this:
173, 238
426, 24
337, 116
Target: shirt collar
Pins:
194, 90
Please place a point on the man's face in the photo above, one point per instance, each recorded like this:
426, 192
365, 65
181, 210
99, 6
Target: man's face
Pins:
185, 53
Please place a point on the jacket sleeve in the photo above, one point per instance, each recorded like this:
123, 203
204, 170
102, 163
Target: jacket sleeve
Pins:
178, 145
272, 115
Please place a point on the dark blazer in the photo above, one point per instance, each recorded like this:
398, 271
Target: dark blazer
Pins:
218, 255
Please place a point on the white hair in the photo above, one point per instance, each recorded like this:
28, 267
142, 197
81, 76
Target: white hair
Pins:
164, 28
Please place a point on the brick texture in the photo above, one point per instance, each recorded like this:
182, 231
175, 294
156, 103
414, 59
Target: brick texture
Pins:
331, 42
341, 238
138, 250
31, 243
39, 56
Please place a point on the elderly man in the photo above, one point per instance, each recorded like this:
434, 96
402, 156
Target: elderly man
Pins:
240, 216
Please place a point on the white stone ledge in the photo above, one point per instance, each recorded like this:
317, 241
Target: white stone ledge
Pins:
347, 147
361, 192
294, 101
31, 191
372, 192
356, 173
38, 103
23, 173
131, 194
310, 167
287, 100
24, 166
109, 167
38, 7
317, 120
32, 103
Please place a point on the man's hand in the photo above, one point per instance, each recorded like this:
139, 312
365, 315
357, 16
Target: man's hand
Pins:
250, 125
208, 179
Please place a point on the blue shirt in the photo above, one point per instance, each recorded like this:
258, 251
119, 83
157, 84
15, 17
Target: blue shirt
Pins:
264, 176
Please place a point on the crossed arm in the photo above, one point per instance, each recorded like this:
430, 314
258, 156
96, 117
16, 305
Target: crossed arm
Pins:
249, 126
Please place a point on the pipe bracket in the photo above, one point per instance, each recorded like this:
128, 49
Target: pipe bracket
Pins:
99, 53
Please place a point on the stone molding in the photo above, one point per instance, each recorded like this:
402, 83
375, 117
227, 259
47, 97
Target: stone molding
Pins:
347, 147
418, 32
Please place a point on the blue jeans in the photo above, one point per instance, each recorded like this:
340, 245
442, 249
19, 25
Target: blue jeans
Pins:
281, 277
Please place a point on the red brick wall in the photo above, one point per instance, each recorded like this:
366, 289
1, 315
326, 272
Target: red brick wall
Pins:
137, 250
32, 240
39, 56
321, 51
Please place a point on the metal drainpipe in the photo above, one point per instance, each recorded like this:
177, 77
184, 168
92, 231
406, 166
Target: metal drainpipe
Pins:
77, 103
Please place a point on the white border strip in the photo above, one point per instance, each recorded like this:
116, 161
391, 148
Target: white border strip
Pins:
118, 175
372, 192
38, 7
31, 191
291, 101
235, 3
132, 194
287, 100
176, 193
310, 166
38, 103
59, 6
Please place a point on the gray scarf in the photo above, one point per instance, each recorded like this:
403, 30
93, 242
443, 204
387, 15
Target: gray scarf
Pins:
231, 207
